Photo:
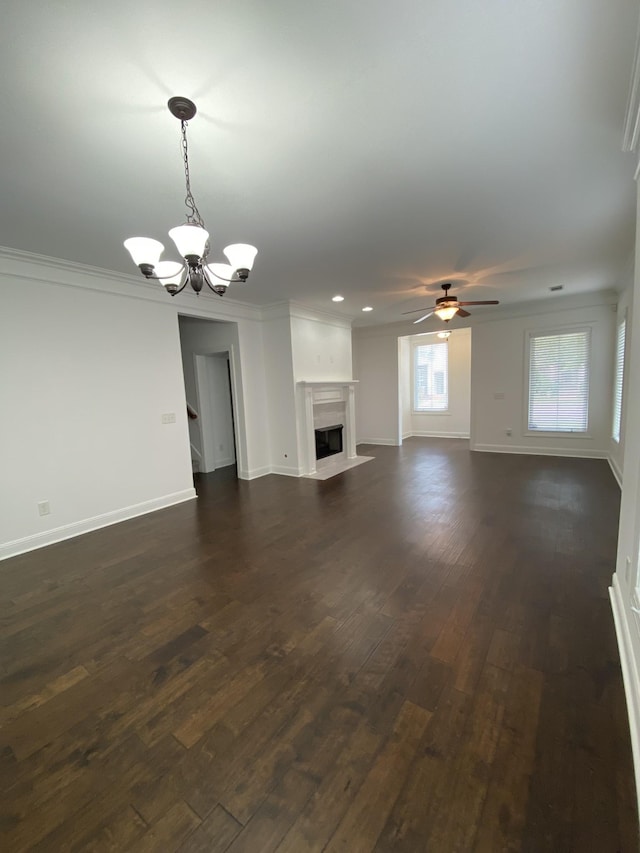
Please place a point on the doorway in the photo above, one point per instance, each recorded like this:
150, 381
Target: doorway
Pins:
215, 412
211, 380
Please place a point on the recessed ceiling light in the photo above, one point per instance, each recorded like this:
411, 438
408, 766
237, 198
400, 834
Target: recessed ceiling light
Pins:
337, 298
367, 308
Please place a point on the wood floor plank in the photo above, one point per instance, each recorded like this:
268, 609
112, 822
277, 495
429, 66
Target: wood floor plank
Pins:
415, 655
361, 825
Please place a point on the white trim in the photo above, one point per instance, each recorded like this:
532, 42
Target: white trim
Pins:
428, 433
288, 310
286, 471
29, 266
77, 528
304, 312
224, 463
541, 451
629, 664
253, 473
617, 473
385, 441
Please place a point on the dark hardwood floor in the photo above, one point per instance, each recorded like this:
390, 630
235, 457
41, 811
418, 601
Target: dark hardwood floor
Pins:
416, 655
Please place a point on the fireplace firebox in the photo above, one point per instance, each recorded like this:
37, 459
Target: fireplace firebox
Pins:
328, 441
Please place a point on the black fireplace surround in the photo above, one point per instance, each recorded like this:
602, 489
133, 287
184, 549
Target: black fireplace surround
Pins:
328, 441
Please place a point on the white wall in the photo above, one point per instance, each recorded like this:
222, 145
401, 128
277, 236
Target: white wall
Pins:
280, 389
455, 422
499, 381
85, 378
90, 360
625, 591
375, 366
321, 347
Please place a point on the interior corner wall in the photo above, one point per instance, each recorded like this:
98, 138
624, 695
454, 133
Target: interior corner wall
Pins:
376, 367
499, 383
86, 376
281, 395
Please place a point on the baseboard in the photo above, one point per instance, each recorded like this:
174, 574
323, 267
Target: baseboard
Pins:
224, 463
384, 441
540, 451
630, 671
425, 433
286, 471
617, 473
406, 435
77, 528
253, 473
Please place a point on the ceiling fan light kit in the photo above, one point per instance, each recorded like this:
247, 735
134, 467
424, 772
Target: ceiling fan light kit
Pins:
191, 239
447, 307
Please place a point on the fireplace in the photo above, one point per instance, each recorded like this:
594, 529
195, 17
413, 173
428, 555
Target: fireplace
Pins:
321, 408
328, 440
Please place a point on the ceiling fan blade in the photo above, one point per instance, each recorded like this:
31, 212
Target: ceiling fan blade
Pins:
463, 313
416, 310
423, 318
484, 302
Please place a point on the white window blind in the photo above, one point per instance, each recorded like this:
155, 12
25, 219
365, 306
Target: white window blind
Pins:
431, 377
618, 380
559, 382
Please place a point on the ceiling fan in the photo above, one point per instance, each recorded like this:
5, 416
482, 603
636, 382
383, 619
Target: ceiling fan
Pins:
447, 307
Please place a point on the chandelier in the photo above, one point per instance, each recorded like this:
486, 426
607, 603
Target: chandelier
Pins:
191, 239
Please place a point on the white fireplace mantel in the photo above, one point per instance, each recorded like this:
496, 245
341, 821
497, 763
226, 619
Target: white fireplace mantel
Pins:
315, 394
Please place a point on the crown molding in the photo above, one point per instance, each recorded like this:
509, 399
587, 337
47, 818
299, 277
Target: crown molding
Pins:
286, 310
16, 263
304, 312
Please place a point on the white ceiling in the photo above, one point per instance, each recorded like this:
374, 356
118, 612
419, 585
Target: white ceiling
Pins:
367, 148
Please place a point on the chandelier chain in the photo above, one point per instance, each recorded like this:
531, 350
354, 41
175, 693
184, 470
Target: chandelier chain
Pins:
194, 217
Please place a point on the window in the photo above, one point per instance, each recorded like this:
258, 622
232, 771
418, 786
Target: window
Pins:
559, 381
431, 377
618, 380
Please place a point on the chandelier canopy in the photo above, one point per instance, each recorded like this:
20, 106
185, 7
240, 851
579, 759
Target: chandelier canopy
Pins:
191, 239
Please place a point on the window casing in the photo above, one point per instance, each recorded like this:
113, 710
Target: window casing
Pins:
559, 365
431, 377
618, 381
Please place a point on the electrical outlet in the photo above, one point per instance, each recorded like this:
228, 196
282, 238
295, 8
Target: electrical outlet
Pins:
168, 418
44, 508
508, 430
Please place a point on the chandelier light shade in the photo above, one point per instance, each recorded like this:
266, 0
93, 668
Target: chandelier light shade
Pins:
191, 239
